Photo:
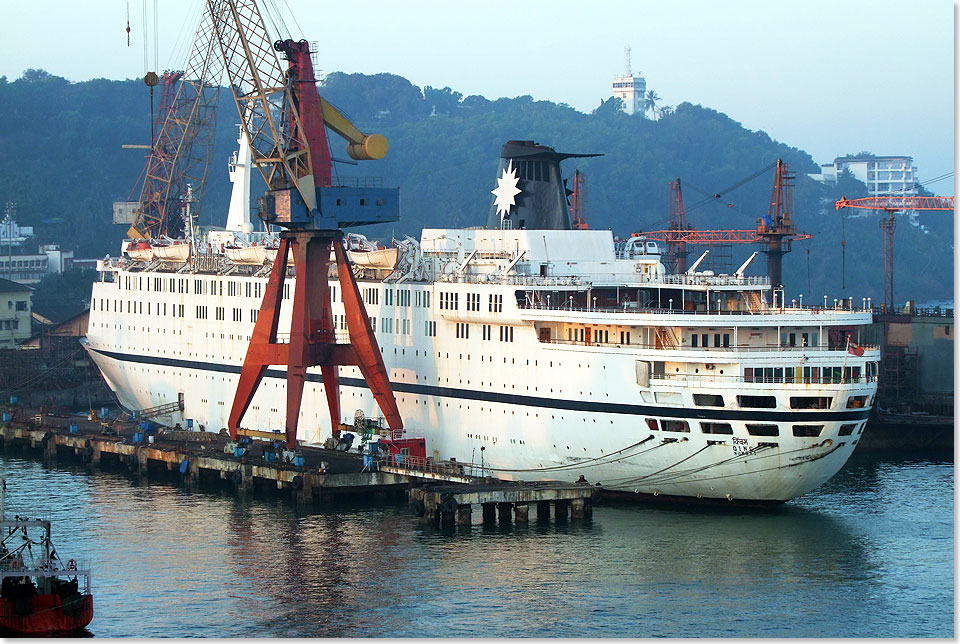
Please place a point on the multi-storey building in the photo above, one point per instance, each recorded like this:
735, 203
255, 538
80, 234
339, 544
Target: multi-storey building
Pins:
883, 175
15, 313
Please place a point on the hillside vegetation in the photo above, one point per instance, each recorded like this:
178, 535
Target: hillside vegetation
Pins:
61, 162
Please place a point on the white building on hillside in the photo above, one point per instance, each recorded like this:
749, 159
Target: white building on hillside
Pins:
889, 175
630, 88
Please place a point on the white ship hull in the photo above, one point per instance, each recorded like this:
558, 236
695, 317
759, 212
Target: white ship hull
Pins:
518, 401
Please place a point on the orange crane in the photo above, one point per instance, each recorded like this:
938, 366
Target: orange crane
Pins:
892, 204
285, 123
576, 201
180, 152
774, 232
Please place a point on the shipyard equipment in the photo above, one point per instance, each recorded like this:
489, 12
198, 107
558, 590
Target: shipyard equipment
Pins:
285, 123
775, 231
890, 205
180, 152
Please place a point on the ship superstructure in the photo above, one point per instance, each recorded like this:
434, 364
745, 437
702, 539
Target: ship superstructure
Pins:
538, 351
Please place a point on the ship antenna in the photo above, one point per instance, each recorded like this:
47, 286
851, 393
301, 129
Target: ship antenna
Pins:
626, 51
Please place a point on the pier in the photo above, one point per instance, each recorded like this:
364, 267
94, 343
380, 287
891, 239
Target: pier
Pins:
438, 493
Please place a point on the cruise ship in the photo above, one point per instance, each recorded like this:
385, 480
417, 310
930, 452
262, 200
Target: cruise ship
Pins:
524, 347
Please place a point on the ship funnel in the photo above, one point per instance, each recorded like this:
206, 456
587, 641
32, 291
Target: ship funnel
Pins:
529, 191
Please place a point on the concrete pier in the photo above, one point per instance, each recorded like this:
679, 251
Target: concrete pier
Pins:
199, 460
444, 495
503, 501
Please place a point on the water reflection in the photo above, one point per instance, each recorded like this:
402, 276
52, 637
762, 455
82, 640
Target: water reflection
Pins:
877, 541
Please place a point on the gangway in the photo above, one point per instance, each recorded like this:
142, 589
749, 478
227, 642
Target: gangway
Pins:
159, 410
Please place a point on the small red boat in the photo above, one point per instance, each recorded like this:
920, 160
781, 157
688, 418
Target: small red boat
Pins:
39, 593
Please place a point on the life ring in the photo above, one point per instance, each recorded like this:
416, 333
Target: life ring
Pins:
445, 496
72, 564
449, 506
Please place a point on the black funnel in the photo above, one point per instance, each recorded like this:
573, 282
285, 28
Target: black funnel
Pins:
530, 192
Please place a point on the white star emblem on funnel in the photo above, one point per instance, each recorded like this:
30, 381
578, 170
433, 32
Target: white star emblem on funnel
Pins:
506, 190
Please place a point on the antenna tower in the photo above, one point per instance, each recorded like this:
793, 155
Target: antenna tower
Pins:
626, 52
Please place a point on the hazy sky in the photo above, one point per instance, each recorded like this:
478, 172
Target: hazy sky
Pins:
828, 76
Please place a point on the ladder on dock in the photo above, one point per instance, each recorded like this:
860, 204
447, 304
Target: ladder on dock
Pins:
159, 410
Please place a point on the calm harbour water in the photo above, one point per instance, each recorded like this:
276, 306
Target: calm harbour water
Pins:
870, 554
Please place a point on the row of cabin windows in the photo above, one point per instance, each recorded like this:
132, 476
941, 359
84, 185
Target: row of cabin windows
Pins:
753, 429
402, 297
723, 339
703, 340
449, 301
401, 326
809, 375
596, 336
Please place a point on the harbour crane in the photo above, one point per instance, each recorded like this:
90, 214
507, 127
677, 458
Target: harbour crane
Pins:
285, 123
892, 204
180, 153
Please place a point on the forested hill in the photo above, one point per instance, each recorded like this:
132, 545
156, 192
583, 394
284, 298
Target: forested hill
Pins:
61, 162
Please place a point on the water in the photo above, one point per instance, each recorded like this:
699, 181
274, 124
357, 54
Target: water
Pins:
869, 554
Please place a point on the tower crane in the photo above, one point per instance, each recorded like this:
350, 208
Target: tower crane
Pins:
890, 205
775, 231
285, 123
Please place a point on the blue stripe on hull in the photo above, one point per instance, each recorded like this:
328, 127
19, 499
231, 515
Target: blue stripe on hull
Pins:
531, 401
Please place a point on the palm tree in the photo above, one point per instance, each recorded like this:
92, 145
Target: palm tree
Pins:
650, 103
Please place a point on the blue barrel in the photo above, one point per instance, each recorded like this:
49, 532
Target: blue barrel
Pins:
104, 411
270, 456
184, 466
189, 423
137, 437
13, 400
238, 451
298, 460
74, 428
7, 417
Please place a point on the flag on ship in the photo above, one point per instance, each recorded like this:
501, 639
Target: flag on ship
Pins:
854, 349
